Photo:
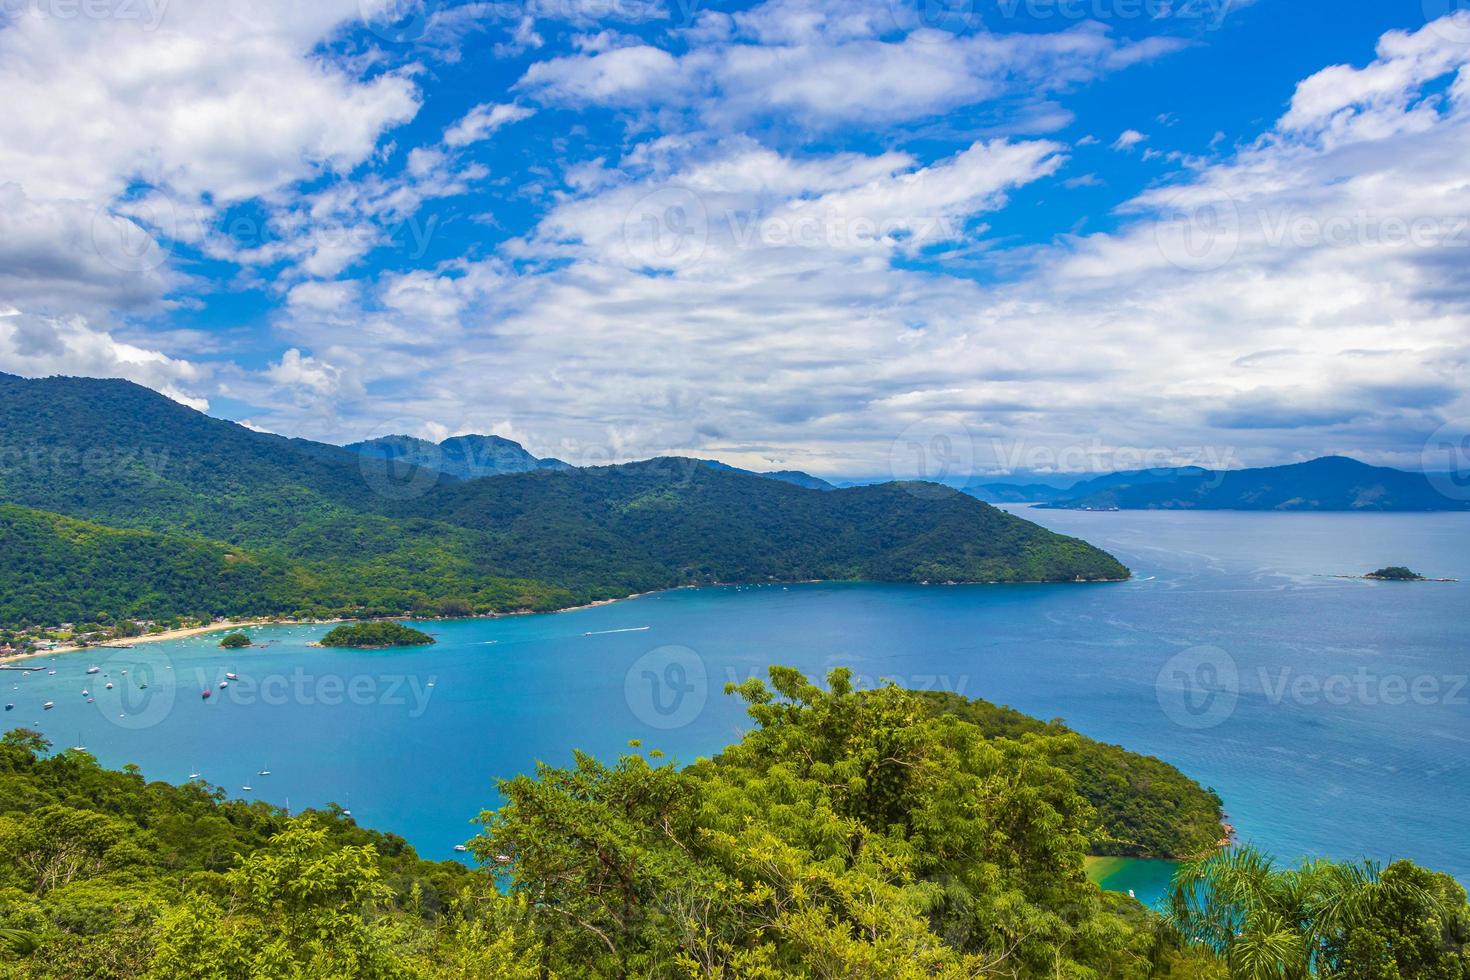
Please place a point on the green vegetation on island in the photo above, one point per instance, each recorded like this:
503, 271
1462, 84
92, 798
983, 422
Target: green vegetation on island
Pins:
1395, 573
376, 635
877, 834
235, 641
117, 503
1145, 807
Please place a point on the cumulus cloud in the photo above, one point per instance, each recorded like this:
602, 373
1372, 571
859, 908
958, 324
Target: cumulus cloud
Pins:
128, 129
41, 346
1273, 302
1128, 139
482, 121
826, 65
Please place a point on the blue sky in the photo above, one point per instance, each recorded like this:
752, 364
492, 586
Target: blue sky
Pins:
1024, 235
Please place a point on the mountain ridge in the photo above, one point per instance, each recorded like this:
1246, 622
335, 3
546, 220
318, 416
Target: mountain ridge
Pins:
1328, 483
332, 531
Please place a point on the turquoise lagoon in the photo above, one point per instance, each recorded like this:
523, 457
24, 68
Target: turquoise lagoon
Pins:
1330, 714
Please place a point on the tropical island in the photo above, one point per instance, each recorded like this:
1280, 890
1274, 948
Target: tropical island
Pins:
235, 641
875, 833
1396, 573
375, 636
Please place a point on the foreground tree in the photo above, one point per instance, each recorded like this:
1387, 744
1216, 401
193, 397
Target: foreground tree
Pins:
1324, 919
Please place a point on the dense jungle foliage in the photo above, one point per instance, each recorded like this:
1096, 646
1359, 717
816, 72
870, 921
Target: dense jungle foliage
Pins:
849, 834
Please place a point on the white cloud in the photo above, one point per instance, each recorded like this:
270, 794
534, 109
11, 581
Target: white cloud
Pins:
40, 346
221, 99
1128, 139
824, 66
639, 324
482, 121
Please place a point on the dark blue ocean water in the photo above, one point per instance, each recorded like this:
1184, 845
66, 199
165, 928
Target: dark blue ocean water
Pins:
1332, 715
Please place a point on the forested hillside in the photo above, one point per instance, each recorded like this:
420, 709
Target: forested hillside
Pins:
848, 834
253, 523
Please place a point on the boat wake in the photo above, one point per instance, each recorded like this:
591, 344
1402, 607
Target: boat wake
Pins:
626, 629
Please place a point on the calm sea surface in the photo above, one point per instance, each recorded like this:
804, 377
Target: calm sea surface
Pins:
1332, 715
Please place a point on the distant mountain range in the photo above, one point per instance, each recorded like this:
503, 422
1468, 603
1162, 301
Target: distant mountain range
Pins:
472, 456
463, 457
118, 502
1331, 483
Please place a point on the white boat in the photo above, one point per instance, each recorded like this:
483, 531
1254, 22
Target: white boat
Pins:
264, 772
223, 685
247, 789
97, 670
86, 693
193, 775
460, 849
109, 685
48, 705
232, 677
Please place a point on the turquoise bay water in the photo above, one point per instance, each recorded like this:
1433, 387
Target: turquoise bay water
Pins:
1330, 714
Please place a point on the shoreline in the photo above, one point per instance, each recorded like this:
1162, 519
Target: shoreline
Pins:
182, 633
188, 631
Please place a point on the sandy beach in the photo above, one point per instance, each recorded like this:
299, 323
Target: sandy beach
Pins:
177, 634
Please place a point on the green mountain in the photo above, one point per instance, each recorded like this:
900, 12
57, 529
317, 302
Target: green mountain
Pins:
796, 477
244, 522
1334, 483
462, 457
